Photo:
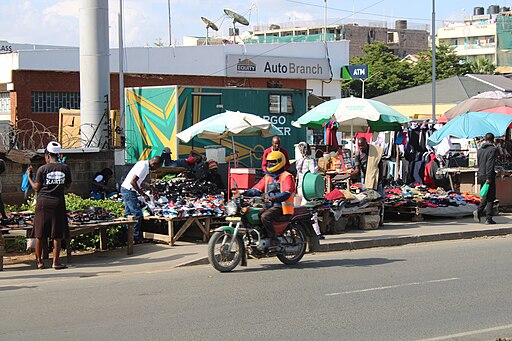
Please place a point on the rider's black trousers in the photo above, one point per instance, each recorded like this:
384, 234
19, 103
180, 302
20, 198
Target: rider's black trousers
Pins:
267, 219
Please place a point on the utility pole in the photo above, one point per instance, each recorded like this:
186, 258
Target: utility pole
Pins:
169, 15
433, 59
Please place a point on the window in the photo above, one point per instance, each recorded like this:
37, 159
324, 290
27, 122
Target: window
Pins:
53, 101
5, 102
280, 104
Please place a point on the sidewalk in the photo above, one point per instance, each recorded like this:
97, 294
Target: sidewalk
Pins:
158, 257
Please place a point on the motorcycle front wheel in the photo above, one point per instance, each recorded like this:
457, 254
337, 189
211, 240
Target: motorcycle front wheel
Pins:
294, 242
219, 255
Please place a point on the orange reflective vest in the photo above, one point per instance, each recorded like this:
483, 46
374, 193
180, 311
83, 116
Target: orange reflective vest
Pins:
287, 205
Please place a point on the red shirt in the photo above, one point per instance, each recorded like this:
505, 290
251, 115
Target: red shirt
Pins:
268, 151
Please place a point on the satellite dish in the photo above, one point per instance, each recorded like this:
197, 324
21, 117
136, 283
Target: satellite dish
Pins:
209, 24
237, 18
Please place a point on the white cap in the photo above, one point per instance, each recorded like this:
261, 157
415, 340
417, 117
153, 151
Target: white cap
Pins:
53, 147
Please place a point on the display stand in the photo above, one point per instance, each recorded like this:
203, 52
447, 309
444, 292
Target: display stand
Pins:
78, 229
202, 222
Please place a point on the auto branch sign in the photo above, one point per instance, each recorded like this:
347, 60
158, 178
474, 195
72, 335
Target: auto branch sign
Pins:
355, 72
277, 67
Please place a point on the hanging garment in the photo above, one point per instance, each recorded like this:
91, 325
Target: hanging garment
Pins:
371, 177
330, 130
429, 178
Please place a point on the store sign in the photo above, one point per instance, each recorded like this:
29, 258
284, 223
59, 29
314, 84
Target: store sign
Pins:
355, 72
277, 67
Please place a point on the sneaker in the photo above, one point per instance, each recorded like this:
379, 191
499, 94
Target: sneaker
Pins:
490, 222
321, 237
476, 216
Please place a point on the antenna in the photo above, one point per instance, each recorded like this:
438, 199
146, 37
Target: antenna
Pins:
209, 24
237, 18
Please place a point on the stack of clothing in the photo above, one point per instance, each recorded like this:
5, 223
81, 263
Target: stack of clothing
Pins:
423, 196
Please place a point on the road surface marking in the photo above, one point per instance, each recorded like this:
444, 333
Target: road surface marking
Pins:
392, 286
473, 332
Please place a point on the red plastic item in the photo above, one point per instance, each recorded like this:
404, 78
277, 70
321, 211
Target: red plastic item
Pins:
242, 178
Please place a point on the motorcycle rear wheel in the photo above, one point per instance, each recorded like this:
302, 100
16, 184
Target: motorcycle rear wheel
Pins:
219, 255
295, 247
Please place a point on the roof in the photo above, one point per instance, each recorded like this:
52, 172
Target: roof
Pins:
450, 90
500, 82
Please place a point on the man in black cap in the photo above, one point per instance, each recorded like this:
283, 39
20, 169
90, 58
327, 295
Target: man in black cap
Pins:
166, 156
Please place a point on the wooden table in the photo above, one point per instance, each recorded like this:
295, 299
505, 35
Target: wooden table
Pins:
78, 230
202, 222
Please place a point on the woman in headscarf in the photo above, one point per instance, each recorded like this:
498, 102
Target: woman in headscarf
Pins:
303, 165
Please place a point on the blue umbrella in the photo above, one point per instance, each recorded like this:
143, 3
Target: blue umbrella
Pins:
471, 125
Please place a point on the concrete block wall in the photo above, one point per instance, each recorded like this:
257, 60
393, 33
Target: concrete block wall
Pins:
83, 167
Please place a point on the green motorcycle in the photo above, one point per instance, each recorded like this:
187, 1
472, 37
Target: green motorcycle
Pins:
244, 236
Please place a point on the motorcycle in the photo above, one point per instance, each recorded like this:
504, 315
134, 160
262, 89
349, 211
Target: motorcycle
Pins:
245, 236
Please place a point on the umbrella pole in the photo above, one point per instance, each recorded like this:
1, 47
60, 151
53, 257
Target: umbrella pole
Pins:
233, 151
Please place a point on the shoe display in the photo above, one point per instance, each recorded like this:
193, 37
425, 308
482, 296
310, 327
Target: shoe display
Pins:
476, 216
490, 222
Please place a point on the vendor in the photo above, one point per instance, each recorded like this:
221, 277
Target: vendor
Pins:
276, 147
99, 186
189, 163
131, 189
166, 156
368, 165
214, 176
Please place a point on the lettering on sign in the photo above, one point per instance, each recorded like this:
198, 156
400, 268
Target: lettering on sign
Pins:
279, 122
360, 72
293, 68
5, 48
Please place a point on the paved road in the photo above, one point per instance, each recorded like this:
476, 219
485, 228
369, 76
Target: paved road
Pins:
439, 291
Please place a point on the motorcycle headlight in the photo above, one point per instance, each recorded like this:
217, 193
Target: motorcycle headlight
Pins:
231, 208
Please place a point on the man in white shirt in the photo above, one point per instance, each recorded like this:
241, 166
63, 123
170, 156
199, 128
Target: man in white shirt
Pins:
132, 186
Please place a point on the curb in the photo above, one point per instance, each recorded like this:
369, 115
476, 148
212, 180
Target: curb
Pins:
388, 242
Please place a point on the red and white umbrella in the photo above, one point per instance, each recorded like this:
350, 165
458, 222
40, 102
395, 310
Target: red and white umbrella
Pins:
498, 102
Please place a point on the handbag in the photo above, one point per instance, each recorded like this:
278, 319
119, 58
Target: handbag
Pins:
484, 190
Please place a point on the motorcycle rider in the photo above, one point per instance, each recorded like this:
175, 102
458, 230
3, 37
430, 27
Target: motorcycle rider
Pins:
278, 189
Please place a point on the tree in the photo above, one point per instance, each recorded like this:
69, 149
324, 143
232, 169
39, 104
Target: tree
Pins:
482, 66
448, 64
388, 73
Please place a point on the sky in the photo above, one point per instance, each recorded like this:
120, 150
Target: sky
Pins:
146, 22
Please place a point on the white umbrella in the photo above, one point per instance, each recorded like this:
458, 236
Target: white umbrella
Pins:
229, 123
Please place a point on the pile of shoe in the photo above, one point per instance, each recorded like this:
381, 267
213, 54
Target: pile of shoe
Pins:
180, 187
207, 205
91, 214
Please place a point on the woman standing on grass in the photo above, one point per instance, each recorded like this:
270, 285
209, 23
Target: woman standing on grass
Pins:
50, 217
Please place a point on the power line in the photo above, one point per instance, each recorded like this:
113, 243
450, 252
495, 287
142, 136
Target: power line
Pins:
359, 12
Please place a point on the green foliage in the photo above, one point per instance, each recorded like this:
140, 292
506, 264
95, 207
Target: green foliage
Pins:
388, 73
482, 66
448, 64
17, 244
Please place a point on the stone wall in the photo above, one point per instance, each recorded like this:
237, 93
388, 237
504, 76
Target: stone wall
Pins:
83, 167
